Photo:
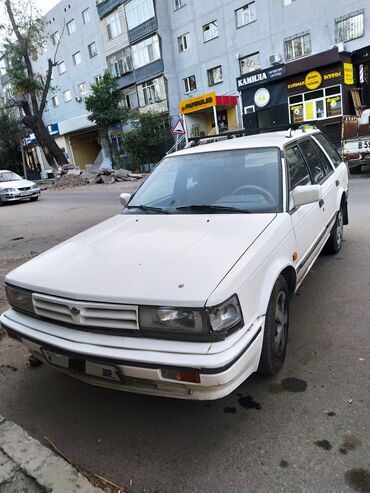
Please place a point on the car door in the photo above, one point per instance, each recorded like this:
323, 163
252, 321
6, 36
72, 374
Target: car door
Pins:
307, 220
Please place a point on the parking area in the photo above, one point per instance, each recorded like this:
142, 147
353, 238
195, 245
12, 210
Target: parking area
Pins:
306, 430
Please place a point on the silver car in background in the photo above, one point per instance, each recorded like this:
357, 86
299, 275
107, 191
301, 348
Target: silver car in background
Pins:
13, 187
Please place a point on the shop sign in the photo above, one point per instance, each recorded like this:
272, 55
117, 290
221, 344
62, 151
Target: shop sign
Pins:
198, 103
313, 80
31, 138
348, 73
262, 97
260, 77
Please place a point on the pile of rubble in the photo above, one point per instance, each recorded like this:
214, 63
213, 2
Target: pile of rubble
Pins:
106, 176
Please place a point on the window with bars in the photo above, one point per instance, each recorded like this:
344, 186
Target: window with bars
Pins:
297, 46
215, 75
146, 51
71, 27
210, 31
190, 84
245, 15
349, 27
114, 26
183, 42
249, 63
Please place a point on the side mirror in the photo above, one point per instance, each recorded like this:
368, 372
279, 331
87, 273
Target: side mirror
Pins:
124, 199
306, 194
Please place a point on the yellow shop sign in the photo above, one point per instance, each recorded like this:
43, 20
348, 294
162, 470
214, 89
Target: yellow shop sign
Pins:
313, 80
348, 73
198, 103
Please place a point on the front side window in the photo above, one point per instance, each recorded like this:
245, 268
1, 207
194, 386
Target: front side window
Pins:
210, 31
247, 180
249, 63
76, 57
183, 42
86, 16
214, 75
61, 68
297, 168
146, 51
349, 26
114, 26
297, 46
245, 15
71, 27
329, 149
67, 95
190, 84
92, 50
138, 11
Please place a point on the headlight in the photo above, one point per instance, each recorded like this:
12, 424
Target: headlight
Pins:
7, 190
225, 316
19, 298
34, 187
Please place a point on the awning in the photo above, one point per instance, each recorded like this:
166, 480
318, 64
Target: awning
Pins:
204, 101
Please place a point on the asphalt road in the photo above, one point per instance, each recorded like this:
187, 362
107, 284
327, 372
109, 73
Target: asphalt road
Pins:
271, 435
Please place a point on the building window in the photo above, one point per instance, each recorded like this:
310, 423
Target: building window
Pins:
183, 42
214, 75
46, 106
146, 51
249, 63
82, 88
86, 16
55, 38
92, 50
316, 105
349, 26
297, 46
245, 15
55, 101
130, 98
287, 2
120, 63
76, 57
138, 11
210, 31
177, 4
151, 91
71, 27
190, 84
114, 26
67, 95
98, 78
61, 68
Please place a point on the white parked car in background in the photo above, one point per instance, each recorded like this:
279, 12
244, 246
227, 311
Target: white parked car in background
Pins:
13, 187
186, 293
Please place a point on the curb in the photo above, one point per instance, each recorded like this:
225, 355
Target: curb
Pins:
49, 470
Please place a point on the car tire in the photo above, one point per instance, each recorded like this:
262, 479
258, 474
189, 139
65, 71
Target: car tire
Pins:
335, 240
33, 199
355, 170
275, 335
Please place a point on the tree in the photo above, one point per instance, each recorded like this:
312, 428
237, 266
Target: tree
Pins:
105, 105
26, 37
10, 133
150, 137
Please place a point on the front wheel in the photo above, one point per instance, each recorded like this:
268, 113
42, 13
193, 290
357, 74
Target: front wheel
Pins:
335, 240
275, 336
354, 170
33, 199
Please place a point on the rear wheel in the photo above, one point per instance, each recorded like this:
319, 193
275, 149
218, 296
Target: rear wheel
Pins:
335, 240
275, 336
355, 170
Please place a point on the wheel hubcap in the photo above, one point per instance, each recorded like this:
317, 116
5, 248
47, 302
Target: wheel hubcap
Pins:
281, 323
339, 235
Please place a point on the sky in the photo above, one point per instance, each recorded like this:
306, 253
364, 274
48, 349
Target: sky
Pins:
45, 5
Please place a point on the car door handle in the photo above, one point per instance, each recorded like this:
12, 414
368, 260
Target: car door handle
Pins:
321, 202
337, 183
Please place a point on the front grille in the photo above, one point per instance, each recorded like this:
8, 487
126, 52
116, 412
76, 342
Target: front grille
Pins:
22, 189
86, 313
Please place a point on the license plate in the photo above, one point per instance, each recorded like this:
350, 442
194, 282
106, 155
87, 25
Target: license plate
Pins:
364, 145
23, 194
80, 365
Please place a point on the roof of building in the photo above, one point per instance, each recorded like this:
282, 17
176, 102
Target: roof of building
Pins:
268, 139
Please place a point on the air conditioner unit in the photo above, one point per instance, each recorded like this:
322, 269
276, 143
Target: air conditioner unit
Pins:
78, 99
275, 59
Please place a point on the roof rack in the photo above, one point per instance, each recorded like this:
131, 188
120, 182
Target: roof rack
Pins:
230, 134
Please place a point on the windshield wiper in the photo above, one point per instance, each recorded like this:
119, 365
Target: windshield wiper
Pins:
148, 208
209, 207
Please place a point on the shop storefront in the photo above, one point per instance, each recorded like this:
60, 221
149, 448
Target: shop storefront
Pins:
361, 63
209, 114
37, 167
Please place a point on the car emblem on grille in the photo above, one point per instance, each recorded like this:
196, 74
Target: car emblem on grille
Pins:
74, 311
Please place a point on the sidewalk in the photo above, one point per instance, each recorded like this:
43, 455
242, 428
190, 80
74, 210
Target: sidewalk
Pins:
27, 466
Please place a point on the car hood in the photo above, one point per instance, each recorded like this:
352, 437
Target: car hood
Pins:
145, 259
16, 184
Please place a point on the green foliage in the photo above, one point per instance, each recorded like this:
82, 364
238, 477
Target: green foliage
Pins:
10, 132
21, 83
104, 103
150, 137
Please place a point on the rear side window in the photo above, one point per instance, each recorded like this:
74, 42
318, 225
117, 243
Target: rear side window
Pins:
329, 149
313, 161
297, 168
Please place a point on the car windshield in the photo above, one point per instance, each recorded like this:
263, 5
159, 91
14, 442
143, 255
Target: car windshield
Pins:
9, 176
232, 181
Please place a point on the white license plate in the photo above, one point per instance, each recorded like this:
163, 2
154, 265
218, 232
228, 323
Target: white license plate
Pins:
23, 194
80, 365
364, 145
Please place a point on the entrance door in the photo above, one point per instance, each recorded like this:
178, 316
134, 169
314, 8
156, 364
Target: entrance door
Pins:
264, 118
221, 120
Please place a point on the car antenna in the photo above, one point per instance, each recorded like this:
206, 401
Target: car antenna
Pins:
289, 134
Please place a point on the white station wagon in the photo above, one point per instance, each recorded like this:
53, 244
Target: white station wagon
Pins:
186, 293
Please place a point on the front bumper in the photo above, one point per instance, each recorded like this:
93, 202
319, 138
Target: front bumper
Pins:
140, 364
14, 196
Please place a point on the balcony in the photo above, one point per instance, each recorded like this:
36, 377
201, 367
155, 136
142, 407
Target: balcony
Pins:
142, 30
106, 6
